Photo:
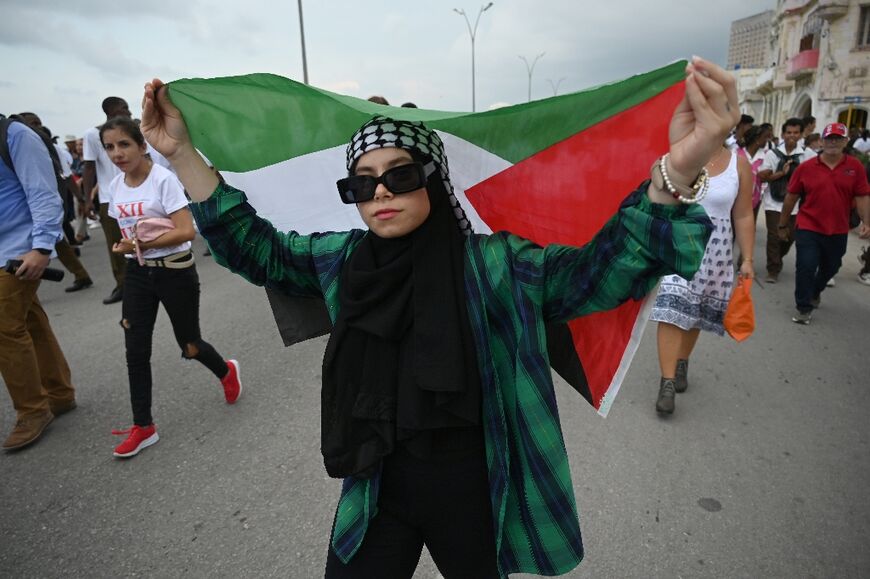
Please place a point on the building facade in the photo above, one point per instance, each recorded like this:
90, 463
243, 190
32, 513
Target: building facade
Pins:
749, 46
820, 64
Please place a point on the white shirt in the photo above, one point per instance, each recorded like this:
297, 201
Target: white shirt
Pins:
159, 195
769, 164
862, 145
92, 150
65, 160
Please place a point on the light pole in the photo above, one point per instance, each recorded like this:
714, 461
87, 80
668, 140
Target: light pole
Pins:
555, 86
530, 70
302, 36
472, 32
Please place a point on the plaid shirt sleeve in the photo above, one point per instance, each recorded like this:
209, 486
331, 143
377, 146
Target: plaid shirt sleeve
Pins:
636, 247
250, 246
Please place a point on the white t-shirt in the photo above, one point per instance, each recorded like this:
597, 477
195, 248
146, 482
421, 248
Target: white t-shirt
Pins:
160, 195
92, 150
862, 145
769, 164
65, 161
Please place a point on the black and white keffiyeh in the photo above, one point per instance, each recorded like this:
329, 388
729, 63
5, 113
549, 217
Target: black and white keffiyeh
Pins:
381, 132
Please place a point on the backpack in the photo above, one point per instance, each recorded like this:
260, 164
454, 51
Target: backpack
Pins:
778, 188
52, 152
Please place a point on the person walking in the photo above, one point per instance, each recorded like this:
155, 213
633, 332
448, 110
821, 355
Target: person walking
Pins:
827, 186
779, 164
754, 153
32, 364
438, 409
683, 307
159, 271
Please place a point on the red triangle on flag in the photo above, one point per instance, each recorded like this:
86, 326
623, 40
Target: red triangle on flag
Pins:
565, 193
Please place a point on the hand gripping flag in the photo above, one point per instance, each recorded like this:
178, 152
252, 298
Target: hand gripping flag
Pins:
552, 171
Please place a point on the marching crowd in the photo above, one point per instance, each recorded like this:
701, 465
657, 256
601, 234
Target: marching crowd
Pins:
388, 427
755, 171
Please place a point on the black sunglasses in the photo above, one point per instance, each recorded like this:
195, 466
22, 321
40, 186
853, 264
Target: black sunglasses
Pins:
401, 179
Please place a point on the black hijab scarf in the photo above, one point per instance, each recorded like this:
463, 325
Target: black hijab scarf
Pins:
400, 362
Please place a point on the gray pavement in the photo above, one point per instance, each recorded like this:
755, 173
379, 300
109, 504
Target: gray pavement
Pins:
762, 471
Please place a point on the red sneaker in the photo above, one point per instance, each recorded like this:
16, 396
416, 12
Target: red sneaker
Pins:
232, 382
139, 438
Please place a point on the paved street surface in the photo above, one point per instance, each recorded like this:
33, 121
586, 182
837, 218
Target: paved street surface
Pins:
763, 471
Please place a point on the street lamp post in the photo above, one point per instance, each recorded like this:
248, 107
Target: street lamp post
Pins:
472, 32
555, 86
530, 70
302, 36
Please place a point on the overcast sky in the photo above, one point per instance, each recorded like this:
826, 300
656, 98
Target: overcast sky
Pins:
59, 59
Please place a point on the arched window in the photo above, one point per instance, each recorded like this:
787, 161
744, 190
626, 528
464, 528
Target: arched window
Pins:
854, 117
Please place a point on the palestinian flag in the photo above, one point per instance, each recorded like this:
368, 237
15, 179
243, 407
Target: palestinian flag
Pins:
552, 171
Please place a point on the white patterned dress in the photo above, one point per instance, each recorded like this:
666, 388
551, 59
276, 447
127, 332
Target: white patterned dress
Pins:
701, 301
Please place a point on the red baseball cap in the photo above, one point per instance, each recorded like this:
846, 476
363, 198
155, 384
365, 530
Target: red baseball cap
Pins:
834, 130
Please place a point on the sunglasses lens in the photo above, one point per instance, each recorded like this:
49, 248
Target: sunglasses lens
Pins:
356, 189
403, 179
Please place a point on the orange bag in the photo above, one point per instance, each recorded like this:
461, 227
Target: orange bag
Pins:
740, 316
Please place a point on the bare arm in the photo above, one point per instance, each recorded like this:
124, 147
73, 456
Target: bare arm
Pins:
788, 204
769, 175
863, 204
89, 179
743, 218
699, 125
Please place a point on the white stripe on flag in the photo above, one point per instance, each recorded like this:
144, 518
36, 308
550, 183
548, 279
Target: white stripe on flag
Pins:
300, 195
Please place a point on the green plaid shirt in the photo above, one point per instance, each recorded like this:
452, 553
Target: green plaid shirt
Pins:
513, 286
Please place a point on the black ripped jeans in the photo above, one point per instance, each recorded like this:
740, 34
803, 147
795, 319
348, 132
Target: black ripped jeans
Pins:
145, 288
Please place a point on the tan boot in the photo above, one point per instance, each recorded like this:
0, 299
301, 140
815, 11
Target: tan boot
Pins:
59, 408
27, 431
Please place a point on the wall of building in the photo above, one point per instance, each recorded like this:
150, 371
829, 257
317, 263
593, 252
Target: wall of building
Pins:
842, 74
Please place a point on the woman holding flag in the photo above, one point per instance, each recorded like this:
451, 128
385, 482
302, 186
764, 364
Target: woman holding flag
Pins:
438, 409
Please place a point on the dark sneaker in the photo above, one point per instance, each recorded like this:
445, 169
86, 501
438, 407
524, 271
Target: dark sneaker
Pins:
139, 437
61, 408
681, 379
772, 277
27, 431
802, 317
232, 382
114, 297
864, 278
79, 285
665, 401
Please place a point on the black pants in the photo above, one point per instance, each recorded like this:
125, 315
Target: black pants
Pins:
145, 288
444, 505
818, 259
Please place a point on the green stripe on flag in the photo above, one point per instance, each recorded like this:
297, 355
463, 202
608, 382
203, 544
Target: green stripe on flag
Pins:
243, 123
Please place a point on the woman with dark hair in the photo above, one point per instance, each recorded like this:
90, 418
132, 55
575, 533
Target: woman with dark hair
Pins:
159, 271
753, 152
438, 408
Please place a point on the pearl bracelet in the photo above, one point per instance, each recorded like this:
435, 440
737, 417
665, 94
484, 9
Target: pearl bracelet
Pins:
699, 188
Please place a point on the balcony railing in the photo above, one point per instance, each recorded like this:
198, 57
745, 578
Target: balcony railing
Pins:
803, 63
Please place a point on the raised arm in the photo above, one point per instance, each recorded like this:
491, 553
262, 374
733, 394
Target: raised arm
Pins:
164, 128
699, 125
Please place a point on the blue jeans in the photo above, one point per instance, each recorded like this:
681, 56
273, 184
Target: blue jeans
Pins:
818, 259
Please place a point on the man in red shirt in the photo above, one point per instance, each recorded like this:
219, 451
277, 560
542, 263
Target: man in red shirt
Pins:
827, 185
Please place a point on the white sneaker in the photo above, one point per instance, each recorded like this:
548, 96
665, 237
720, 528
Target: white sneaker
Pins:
831, 283
864, 278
